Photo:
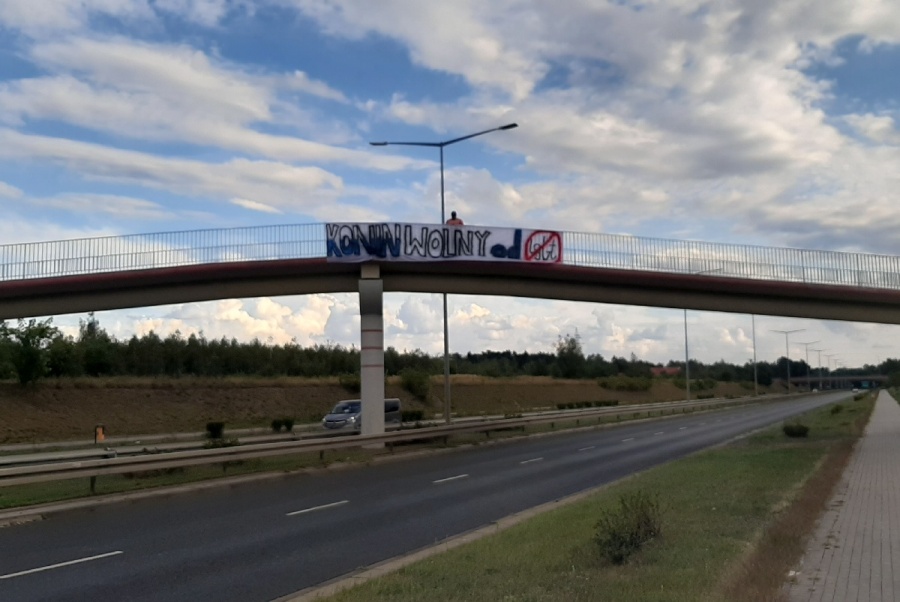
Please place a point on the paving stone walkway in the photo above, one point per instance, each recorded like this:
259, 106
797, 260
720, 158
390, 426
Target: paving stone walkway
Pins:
853, 554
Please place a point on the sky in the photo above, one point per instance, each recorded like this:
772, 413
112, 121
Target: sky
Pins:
772, 122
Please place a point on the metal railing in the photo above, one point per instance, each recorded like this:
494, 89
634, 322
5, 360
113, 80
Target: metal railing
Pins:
70, 469
297, 241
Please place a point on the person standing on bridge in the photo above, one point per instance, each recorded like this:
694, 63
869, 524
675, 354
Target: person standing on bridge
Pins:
454, 221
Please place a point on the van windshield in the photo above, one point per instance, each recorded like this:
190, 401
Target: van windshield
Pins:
347, 407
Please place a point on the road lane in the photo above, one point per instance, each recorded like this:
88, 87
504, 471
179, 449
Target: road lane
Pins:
236, 543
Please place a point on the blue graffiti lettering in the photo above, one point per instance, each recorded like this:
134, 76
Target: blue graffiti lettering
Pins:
514, 251
405, 240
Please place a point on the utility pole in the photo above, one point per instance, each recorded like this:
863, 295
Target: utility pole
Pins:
787, 351
808, 382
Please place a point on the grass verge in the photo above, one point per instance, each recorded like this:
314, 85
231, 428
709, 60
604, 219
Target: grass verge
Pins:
725, 512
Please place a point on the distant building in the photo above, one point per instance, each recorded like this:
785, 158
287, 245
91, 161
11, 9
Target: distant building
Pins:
665, 371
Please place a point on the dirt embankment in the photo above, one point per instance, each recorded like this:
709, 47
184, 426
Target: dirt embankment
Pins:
69, 409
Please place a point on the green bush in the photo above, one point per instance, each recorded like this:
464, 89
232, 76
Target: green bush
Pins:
621, 532
795, 429
860, 396
705, 395
350, 382
603, 404
416, 382
560, 406
277, 424
288, 424
836, 409
412, 415
703, 384
626, 383
215, 430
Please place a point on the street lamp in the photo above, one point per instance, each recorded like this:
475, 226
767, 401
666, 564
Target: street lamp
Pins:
808, 385
687, 361
828, 357
819, 362
787, 349
440, 146
755, 377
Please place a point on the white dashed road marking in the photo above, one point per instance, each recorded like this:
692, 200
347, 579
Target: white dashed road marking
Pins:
459, 476
322, 507
530, 461
60, 565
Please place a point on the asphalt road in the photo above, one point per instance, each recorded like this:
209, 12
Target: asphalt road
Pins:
264, 540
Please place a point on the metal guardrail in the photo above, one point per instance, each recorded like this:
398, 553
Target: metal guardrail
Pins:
304, 241
57, 471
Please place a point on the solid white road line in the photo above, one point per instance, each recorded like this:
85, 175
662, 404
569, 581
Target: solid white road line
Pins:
322, 507
459, 476
60, 564
586, 448
627, 440
530, 461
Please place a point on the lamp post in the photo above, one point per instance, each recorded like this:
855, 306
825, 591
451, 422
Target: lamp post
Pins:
755, 377
819, 363
440, 146
828, 357
787, 350
687, 362
808, 385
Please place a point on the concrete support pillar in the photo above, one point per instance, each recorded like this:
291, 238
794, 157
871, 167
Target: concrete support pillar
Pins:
371, 289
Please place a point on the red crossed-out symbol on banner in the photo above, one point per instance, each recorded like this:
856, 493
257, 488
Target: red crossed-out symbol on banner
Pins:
544, 246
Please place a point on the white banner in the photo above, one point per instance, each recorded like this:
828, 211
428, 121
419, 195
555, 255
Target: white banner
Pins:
424, 242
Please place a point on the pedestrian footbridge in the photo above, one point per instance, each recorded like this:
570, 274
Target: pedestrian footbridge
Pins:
89, 274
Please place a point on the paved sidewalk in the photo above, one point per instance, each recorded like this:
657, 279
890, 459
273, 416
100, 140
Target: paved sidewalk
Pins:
856, 545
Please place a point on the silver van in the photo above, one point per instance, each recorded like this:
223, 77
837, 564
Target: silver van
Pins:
348, 414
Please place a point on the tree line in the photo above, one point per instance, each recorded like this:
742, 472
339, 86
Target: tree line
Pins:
35, 349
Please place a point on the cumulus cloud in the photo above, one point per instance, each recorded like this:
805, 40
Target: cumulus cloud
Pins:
50, 16
484, 55
172, 93
203, 12
9, 191
713, 115
15, 229
255, 206
416, 316
113, 206
276, 184
877, 128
